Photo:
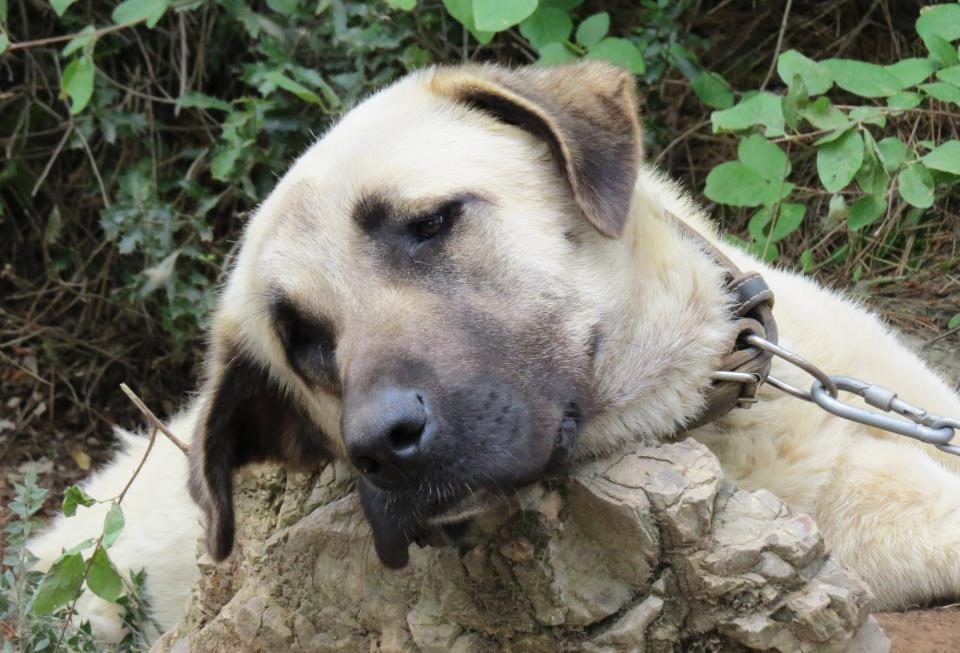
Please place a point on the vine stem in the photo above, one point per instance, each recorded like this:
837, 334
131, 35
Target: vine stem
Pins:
22, 45
72, 610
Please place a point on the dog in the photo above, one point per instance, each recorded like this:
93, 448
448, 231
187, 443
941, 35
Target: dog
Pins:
473, 281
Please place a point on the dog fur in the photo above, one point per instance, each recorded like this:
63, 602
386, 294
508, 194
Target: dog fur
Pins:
575, 233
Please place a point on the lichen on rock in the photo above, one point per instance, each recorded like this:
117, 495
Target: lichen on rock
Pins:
648, 551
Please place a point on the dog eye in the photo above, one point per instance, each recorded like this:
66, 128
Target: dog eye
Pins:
436, 223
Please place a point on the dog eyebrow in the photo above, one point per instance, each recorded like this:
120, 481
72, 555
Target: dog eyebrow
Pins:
371, 212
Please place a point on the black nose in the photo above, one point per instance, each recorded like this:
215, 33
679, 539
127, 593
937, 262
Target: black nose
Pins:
386, 431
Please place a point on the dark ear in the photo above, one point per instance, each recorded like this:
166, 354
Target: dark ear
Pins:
246, 417
586, 113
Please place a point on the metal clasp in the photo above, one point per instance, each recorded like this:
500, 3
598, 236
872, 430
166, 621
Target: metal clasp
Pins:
751, 385
922, 425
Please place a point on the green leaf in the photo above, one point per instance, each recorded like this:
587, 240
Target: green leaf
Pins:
197, 100
823, 115
807, 263
759, 109
621, 52
546, 25
913, 217
764, 158
60, 584
916, 186
77, 82
910, 72
941, 50
84, 39
223, 163
892, 152
954, 322
295, 87
795, 102
554, 53
950, 75
839, 161
112, 525
816, 77
937, 26
77, 548
403, 5
872, 177
870, 115
103, 579
862, 78
942, 91
60, 6
766, 252
864, 212
134, 11
564, 5
284, 6
945, 158
904, 100
592, 30
788, 219
735, 184
499, 15
462, 12
74, 497
713, 90
4, 41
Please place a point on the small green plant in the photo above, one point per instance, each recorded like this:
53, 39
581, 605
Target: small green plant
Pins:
836, 114
37, 608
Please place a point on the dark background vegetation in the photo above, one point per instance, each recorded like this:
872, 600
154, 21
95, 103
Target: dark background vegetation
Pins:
115, 221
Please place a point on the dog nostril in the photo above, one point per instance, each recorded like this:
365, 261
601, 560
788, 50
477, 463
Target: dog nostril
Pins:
367, 465
405, 436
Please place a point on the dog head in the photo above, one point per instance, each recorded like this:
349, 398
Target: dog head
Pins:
414, 295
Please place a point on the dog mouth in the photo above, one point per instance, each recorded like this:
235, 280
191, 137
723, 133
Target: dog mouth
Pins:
399, 519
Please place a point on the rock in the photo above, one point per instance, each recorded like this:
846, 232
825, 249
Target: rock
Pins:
650, 551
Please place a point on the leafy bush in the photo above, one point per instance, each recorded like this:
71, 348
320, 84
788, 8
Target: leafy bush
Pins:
837, 113
37, 607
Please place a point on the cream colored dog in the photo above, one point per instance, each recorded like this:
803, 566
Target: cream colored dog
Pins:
472, 280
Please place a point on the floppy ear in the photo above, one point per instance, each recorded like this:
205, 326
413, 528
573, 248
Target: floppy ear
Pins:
247, 417
586, 113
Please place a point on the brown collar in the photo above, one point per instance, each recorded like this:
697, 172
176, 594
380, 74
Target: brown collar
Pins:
744, 368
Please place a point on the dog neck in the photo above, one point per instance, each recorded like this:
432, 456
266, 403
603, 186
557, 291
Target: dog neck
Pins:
665, 326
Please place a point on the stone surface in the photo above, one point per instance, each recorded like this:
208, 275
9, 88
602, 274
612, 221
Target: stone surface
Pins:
649, 551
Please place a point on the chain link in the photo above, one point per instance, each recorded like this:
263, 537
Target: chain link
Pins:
920, 424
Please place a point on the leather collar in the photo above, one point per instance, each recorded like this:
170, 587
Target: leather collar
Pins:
744, 368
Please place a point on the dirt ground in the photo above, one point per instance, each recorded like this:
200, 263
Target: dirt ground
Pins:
923, 631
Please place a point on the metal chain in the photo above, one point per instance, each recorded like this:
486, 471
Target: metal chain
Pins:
920, 424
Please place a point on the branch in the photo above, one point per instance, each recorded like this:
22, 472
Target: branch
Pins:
153, 419
22, 45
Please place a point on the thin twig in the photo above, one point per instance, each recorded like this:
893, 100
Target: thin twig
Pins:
153, 419
776, 50
69, 37
53, 157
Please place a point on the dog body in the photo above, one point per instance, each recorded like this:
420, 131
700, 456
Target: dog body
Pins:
470, 273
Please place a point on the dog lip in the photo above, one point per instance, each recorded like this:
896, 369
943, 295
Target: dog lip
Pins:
466, 509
